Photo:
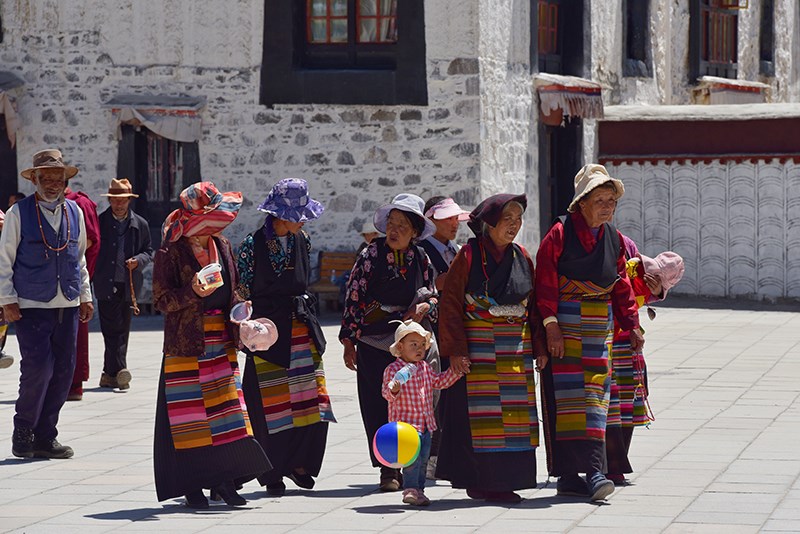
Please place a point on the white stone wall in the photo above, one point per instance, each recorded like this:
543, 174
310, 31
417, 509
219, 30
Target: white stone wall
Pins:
74, 55
508, 114
734, 224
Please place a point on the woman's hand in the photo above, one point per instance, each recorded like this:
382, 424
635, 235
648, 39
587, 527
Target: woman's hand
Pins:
200, 288
417, 312
460, 364
555, 341
350, 354
653, 282
541, 362
637, 340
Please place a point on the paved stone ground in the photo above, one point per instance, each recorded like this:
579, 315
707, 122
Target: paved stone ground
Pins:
721, 457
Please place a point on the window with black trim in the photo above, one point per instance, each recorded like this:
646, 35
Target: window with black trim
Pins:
557, 36
344, 52
766, 39
713, 33
637, 60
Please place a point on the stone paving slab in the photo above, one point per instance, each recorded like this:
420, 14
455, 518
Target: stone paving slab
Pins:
722, 455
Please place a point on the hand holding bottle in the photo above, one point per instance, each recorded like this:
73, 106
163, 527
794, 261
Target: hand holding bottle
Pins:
402, 375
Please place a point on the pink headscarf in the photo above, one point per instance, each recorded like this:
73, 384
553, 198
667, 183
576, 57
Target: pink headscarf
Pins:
668, 265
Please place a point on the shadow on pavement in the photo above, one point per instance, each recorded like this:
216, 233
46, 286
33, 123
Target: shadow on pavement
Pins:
152, 514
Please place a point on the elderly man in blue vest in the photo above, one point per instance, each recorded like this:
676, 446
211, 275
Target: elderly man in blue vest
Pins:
44, 289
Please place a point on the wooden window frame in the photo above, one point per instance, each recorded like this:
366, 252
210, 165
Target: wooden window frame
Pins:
569, 58
637, 60
296, 72
706, 56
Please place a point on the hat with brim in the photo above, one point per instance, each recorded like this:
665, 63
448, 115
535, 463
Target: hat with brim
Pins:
591, 177
407, 203
368, 228
258, 334
48, 159
120, 189
289, 201
446, 208
205, 211
667, 265
407, 327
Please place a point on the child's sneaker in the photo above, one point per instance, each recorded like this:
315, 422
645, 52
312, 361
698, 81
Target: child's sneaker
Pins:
415, 497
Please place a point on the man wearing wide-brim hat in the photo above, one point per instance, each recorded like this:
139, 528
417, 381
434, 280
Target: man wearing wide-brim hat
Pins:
125, 251
44, 289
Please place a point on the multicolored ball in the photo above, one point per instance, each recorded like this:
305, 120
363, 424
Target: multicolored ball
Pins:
396, 444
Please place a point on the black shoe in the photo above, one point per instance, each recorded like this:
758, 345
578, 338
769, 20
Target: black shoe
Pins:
572, 485
304, 481
276, 489
196, 500
51, 449
227, 491
599, 487
22, 443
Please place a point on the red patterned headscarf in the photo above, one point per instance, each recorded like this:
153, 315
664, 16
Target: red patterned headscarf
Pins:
205, 211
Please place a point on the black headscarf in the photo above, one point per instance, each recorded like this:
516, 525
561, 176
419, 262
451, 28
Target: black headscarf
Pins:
490, 210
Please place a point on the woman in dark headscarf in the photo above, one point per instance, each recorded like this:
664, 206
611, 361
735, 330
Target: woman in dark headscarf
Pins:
489, 328
203, 437
581, 288
392, 279
285, 385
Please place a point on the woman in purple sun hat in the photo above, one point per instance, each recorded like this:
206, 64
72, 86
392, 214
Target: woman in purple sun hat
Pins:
274, 267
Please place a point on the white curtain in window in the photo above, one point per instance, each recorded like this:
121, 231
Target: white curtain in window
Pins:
12, 121
368, 30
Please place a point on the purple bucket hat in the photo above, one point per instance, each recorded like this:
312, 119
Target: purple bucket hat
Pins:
289, 201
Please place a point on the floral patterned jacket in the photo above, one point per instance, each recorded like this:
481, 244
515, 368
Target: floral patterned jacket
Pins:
357, 300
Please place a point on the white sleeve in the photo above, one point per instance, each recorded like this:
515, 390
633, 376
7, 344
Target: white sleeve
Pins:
9, 241
86, 287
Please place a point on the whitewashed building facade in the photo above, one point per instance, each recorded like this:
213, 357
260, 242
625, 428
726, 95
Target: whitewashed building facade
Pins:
366, 99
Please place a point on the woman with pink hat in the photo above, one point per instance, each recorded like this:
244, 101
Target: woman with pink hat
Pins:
203, 437
582, 287
651, 279
285, 386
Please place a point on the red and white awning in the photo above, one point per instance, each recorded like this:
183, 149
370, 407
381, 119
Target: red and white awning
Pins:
173, 117
715, 90
574, 96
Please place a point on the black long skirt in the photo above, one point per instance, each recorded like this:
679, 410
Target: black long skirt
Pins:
567, 457
465, 468
371, 364
618, 444
300, 447
178, 472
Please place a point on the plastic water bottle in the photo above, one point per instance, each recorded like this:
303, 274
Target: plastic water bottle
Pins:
403, 374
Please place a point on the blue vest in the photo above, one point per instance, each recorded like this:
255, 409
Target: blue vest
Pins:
38, 270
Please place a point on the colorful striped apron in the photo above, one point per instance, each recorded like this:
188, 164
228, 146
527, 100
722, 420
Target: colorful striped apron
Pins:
205, 405
297, 396
581, 379
501, 390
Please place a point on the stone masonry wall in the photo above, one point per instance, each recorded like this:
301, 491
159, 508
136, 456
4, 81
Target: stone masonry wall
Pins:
76, 55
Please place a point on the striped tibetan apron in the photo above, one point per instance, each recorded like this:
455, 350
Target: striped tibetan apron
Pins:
297, 396
501, 391
205, 405
581, 379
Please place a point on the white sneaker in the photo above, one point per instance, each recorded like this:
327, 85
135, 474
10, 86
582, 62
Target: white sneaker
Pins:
5, 360
430, 470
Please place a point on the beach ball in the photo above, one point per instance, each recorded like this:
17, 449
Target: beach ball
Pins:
396, 444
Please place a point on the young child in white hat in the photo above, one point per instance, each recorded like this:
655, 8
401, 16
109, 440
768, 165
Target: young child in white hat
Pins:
410, 397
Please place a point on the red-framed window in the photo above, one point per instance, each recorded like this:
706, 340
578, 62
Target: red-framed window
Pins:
718, 38
548, 27
329, 22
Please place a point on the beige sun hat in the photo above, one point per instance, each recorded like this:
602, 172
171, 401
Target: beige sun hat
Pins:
407, 327
49, 158
590, 177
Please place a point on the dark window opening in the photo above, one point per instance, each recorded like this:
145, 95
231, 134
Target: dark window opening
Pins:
557, 36
159, 169
713, 40
1, 28
637, 61
766, 39
344, 52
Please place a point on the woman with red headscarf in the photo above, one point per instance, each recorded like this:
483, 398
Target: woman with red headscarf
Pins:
203, 437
